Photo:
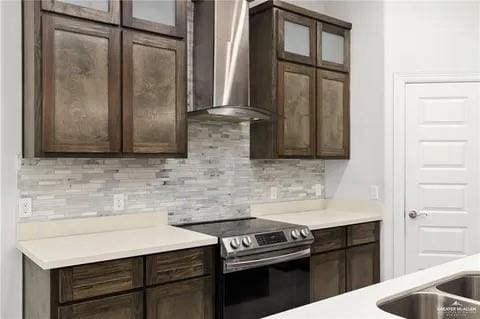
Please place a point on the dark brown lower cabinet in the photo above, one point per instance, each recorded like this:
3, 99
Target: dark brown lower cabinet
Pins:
187, 299
128, 306
327, 273
344, 259
362, 266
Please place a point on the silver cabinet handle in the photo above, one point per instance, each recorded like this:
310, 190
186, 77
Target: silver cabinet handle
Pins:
414, 214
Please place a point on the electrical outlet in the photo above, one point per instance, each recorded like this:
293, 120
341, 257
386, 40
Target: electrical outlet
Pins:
118, 202
25, 207
273, 193
374, 192
318, 189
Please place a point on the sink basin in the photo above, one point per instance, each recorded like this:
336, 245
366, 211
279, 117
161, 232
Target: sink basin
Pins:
466, 286
430, 305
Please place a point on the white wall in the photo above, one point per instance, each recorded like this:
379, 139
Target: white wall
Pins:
10, 136
423, 37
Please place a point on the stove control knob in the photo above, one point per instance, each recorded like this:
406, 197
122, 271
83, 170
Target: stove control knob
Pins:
247, 241
235, 243
304, 232
295, 234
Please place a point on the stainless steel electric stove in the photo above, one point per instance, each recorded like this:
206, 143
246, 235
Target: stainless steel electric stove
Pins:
262, 266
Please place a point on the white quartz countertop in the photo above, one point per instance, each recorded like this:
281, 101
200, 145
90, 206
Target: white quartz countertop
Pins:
320, 214
111, 239
362, 303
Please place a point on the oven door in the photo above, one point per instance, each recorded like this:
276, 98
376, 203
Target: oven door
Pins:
263, 284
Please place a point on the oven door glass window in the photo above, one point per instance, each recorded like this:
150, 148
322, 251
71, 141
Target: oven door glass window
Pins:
266, 290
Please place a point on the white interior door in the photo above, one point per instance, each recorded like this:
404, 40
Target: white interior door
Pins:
441, 167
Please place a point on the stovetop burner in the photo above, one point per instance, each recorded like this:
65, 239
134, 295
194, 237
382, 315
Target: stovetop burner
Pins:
249, 236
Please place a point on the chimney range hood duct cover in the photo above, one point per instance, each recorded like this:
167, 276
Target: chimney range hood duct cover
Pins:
221, 62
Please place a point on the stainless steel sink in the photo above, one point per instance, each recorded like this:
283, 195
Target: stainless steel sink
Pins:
467, 286
453, 298
426, 305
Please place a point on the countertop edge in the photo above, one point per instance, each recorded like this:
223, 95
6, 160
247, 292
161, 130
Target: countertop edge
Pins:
75, 261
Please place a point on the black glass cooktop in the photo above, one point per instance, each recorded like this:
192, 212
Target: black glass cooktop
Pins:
238, 227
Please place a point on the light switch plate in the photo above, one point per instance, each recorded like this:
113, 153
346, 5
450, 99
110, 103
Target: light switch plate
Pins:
118, 202
273, 193
374, 192
25, 207
318, 189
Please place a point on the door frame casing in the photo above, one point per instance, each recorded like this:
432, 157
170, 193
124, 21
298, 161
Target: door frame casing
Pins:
395, 181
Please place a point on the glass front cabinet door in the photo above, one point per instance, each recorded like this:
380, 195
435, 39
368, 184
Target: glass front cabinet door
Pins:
165, 17
296, 38
333, 47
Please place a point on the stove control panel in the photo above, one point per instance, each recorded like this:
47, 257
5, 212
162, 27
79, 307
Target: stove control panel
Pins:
261, 242
271, 238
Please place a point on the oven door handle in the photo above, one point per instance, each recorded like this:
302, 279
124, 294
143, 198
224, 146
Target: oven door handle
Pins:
232, 266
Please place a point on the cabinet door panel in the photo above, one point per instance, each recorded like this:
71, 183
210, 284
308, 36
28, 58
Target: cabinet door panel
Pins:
181, 300
333, 47
154, 94
296, 38
296, 108
362, 266
99, 10
333, 115
81, 102
128, 306
165, 17
92, 280
327, 273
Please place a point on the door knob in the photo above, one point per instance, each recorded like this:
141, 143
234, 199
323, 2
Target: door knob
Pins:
414, 214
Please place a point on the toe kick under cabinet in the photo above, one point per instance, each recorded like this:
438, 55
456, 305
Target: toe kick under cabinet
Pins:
299, 70
344, 259
104, 78
177, 284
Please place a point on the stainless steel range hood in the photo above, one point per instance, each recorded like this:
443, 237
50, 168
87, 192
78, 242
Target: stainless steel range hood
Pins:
221, 62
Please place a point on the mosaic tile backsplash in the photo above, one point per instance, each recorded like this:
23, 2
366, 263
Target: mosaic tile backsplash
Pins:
216, 181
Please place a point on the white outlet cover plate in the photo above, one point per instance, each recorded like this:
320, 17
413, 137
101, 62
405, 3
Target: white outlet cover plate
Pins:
25, 207
118, 202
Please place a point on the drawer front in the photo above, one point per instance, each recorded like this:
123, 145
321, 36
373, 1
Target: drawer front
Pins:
362, 234
328, 239
128, 306
176, 265
92, 280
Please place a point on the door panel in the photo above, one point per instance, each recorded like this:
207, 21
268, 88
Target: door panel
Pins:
154, 94
81, 102
333, 47
327, 272
187, 299
99, 10
333, 115
441, 172
165, 17
362, 266
128, 306
296, 38
296, 99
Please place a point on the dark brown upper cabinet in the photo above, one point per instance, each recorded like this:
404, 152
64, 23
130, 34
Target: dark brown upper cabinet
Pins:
81, 87
107, 11
333, 47
296, 109
154, 90
333, 119
76, 71
296, 38
165, 17
310, 100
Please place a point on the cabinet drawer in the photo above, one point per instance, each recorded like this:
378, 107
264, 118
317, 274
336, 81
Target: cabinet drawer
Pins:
328, 239
362, 233
128, 306
176, 265
86, 281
